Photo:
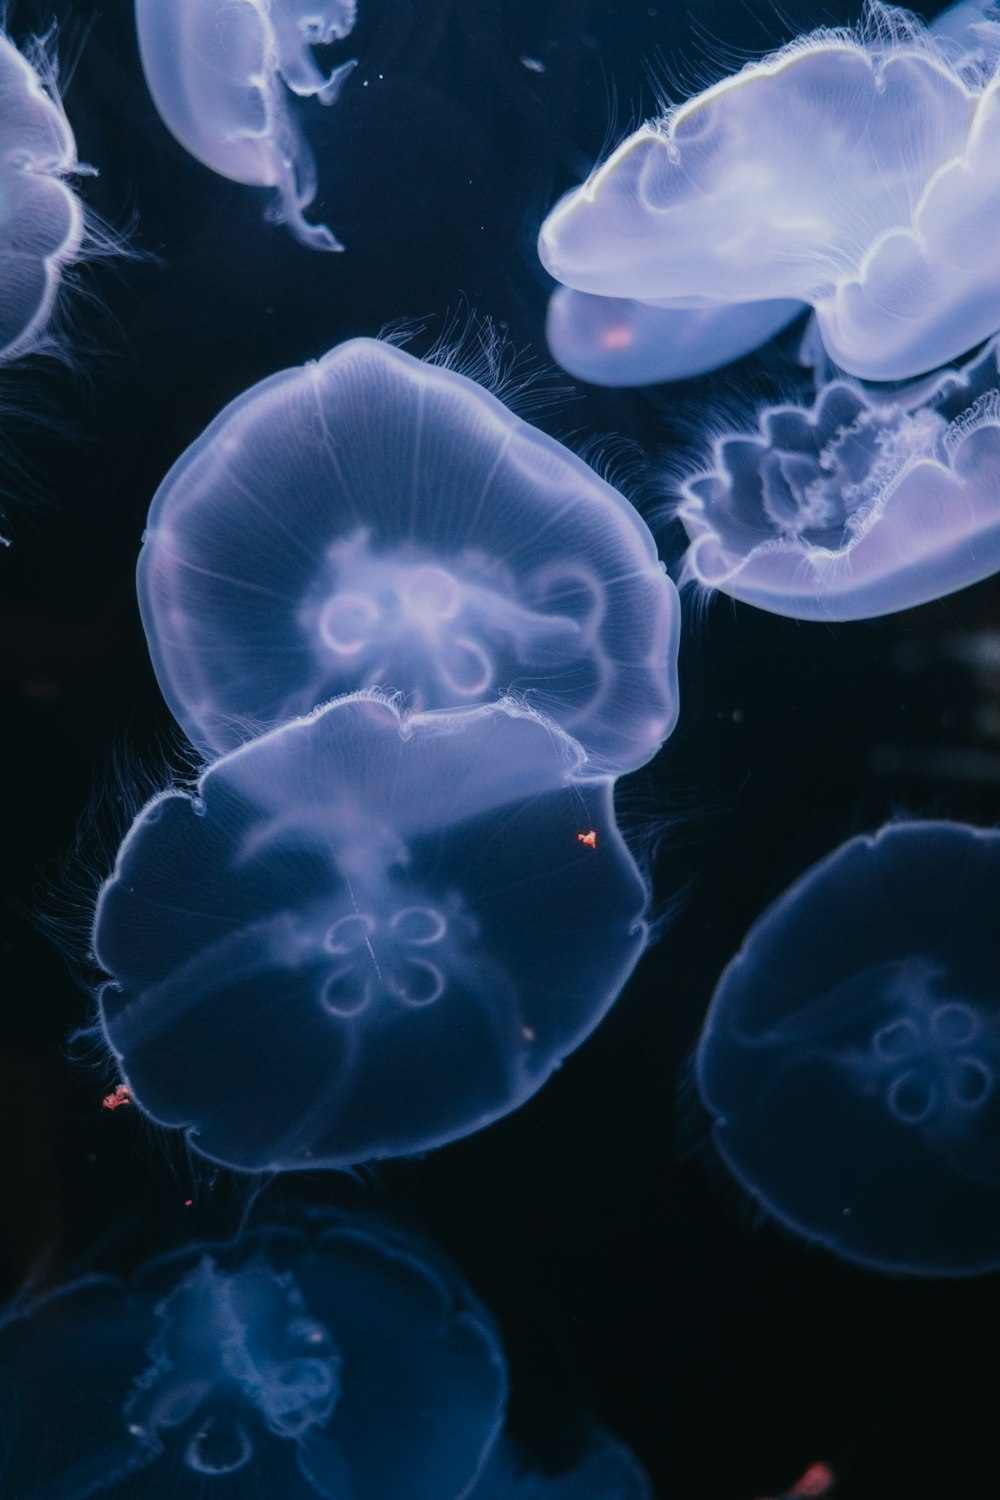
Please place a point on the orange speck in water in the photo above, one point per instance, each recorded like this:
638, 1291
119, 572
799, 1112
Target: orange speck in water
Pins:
817, 1480
121, 1095
617, 338
589, 838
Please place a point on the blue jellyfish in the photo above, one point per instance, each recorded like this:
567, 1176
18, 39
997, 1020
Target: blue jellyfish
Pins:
366, 933
372, 520
42, 224
617, 342
220, 72
862, 505
334, 1360
851, 1055
853, 170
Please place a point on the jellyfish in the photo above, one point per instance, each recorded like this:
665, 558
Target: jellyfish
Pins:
219, 72
42, 223
374, 521
851, 1054
861, 505
339, 1358
616, 342
853, 170
365, 934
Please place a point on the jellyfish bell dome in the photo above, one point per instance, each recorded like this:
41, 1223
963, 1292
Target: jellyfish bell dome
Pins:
220, 73
856, 171
337, 1359
372, 520
365, 933
851, 1055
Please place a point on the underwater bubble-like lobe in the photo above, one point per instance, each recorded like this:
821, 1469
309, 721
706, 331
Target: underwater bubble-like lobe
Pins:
606, 1470
613, 341
861, 505
855, 173
342, 1360
367, 933
220, 73
41, 219
375, 521
851, 1055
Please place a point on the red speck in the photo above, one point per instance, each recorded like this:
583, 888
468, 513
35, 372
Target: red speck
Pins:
617, 338
817, 1480
589, 838
121, 1095
188, 1202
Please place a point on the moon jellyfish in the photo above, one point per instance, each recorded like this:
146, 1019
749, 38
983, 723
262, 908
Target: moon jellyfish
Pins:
856, 171
365, 934
372, 520
861, 505
42, 225
613, 341
335, 1361
220, 73
851, 1054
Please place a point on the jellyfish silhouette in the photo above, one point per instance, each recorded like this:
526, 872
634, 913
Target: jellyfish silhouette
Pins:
853, 170
219, 72
851, 1054
337, 1359
372, 520
366, 934
861, 505
42, 224
616, 342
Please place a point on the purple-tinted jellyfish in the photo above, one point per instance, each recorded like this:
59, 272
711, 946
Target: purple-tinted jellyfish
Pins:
606, 1471
42, 223
613, 341
857, 171
861, 505
219, 72
366, 934
372, 520
851, 1055
338, 1361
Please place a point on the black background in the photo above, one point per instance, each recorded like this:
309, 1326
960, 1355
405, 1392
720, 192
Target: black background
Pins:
629, 1280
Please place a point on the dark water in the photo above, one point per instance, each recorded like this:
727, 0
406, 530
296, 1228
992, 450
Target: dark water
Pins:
629, 1280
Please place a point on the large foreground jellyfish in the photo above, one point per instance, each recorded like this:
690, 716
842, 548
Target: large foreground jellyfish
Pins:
42, 223
856, 171
219, 72
372, 520
859, 506
334, 1361
851, 1055
366, 934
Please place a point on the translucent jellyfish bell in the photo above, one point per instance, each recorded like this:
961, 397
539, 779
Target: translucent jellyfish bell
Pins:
854, 171
372, 520
41, 220
615, 342
851, 1055
366, 934
339, 1361
218, 71
858, 506
605, 1471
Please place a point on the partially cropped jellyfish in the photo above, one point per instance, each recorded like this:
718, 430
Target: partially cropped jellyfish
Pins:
616, 342
339, 1360
851, 1056
853, 170
42, 224
858, 506
374, 520
366, 934
220, 72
